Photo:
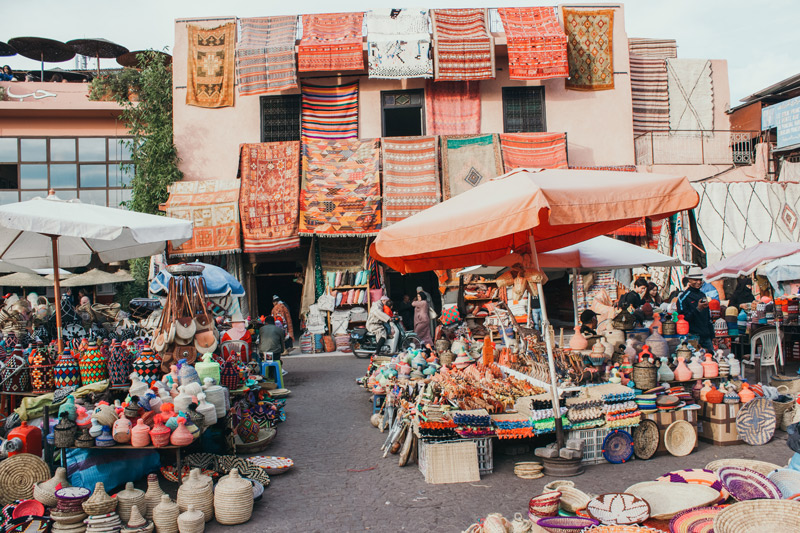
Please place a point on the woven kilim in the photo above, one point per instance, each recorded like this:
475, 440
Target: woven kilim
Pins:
463, 46
452, 108
468, 161
590, 54
341, 188
533, 150
399, 45
537, 46
268, 200
265, 55
331, 41
410, 176
617, 168
691, 94
210, 69
330, 112
649, 94
662, 48
345, 253
213, 207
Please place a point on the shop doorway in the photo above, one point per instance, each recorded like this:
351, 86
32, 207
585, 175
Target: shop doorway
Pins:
399, 284
279, 279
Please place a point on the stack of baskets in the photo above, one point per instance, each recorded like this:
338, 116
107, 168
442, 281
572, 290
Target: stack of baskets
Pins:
129, 498
99, 503
197, 491
528, 470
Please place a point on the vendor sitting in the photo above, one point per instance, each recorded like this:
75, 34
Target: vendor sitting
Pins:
588, 322
634, 298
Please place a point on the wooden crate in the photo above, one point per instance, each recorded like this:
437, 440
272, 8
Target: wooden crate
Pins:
718, 423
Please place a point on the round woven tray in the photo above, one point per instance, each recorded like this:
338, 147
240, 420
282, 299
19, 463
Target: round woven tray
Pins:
645, 439
758, 515
694, 520
788, 482
756, 422
618, 446
680, 438
745, 484
18, 473
618, 508
761, 467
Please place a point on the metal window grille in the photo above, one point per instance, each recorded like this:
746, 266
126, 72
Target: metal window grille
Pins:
523, 109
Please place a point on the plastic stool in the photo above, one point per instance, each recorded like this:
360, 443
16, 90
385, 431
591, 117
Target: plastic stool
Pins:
271, 370
377, 402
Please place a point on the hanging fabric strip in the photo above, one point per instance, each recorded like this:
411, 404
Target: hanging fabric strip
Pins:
210, 69
399, 44
330, 112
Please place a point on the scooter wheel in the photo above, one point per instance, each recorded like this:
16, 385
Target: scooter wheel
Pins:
355, 347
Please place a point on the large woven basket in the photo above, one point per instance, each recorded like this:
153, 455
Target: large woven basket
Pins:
758, 515
165, 515
127, 499
233, 499
197, 491
18, 474
99, 502
761, 467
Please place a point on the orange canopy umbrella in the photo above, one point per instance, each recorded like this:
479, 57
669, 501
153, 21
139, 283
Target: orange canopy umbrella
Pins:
557, 208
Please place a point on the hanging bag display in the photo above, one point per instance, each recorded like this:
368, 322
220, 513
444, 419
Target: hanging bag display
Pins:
205, 339
185, 326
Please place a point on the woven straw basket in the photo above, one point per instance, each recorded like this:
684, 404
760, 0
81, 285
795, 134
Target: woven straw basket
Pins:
233, 499
758, 515
165, 515
198, 492
761, 467
191, 521
99, 502
127, 499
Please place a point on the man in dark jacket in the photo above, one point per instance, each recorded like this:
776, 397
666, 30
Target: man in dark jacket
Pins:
693, 305
271, 338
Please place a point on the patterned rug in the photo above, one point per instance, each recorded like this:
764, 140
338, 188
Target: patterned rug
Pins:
345, 253
662, 48
533, 150
210, 71
463, 46
341, 192
399, 45
537, 46
330, 112
213, 207
469, 161
265, 55
410, 176
691, 94
589, 48
649, 94
452, 108
331, 41
268, 201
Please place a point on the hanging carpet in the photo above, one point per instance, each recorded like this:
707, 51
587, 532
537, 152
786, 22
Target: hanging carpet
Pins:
589, 48
270, 191
343, 254
398, 44
265, 59
410, 177
341, 188
468, 161
691, 94
452, 108
210, 70
213, 207
649, 95
660, 48
533, 150
330, 112
331, 41
463, 46
537, 46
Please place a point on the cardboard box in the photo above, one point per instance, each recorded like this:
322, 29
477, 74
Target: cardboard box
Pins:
664, 418
718, 423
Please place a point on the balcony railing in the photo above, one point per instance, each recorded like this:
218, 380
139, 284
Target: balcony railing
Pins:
696, 147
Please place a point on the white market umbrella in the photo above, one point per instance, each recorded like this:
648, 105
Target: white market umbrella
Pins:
6, 268
24, 279
49, 232
783, 269
97, 277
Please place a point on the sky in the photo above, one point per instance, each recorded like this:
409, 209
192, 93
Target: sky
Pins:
760, 49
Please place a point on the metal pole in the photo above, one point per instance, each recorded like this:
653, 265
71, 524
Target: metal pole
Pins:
550, 358
57, 287
575, 294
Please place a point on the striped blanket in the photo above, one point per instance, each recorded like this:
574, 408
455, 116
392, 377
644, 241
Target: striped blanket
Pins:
410, 176
213, 207
452, 108
590, 37
649, 94
663, 48
399, 45
533, 150
468, 161
265, 55
537, 46
210, 69
341, 193
331, 41
463, 46
269, 194
330, 112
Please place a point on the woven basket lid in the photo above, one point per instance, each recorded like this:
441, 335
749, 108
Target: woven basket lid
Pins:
746, 484
18, 473
758, 515
787, 480
680, 438
756, 421
645, 439
696, 520
761, 467
618, 508
618, 446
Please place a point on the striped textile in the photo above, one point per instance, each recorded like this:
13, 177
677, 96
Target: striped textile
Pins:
452, 108
330, 112
341, 192
468, 161
463, 46
399, 46
615, 168
268, 199
663, 48
649, 94
331, 41
210, 67
265, 55
590, 39
537, 45
410, 176
533, 150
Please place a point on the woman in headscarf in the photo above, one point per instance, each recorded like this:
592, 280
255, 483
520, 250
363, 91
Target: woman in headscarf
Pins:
743, 293
422, 318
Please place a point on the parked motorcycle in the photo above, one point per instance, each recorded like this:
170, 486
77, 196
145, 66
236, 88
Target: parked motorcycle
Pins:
363, 343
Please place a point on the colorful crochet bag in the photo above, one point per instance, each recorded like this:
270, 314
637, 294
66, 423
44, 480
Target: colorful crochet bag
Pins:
450, 315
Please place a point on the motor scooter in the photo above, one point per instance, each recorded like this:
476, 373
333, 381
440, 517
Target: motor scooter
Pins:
363, 343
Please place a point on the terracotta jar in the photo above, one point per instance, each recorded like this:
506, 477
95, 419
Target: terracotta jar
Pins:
710, 367
655, 327
578, 341
181, 436
682, 326
682, 372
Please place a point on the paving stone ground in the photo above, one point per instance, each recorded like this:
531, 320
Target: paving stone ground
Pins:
341, 482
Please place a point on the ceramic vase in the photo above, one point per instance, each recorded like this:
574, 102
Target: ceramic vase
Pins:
578, 341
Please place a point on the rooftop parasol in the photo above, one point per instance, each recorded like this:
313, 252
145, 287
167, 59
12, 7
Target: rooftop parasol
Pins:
42, 49
97, 48
7, 50
131, 59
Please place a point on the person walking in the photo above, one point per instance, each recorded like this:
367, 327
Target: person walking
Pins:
406, 312
422, 318
429, 299
693, 305
281, 312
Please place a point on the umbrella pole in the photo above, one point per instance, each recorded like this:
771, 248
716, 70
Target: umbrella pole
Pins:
41, 72
57, 287
98, 63
550, 358
575, 294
